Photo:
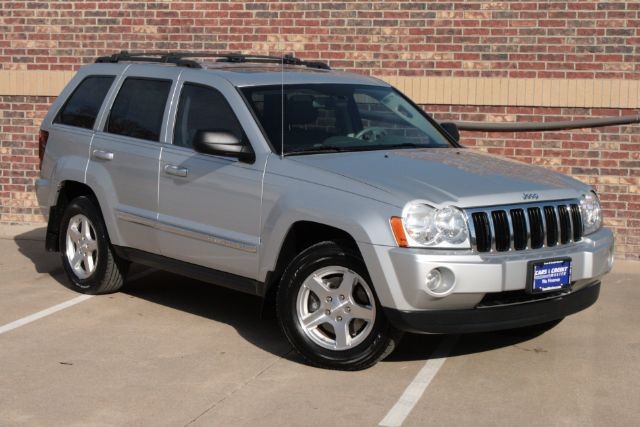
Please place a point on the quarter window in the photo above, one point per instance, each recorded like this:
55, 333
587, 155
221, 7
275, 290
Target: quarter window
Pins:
203, 108
82, 107
139, 107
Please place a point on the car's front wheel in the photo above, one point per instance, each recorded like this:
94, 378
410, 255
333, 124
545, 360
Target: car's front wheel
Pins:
328, 309
88, 258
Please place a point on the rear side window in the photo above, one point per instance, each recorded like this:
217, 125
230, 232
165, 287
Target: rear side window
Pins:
203, 108
82, 107
139, 107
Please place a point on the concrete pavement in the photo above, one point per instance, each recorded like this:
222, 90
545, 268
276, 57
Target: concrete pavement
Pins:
174, 351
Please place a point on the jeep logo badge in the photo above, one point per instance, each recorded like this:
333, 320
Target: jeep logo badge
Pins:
530, 196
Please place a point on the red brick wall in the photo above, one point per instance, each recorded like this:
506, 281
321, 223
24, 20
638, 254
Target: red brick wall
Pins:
608, 158
543, 39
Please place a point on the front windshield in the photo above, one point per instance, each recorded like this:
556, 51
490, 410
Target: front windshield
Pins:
340, 117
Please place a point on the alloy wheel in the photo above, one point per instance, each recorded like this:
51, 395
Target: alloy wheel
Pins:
336, 308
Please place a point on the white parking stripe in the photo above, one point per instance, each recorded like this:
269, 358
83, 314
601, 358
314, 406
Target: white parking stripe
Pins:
48, 311
414, 391
44, 313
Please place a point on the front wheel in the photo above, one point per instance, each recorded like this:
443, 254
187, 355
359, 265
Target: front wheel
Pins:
328, 310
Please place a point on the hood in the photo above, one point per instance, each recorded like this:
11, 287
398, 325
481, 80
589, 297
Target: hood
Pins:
442, 176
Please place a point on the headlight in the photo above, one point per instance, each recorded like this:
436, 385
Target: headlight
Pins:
591, 213
428, 226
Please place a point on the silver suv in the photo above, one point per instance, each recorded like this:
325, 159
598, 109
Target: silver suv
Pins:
353, 213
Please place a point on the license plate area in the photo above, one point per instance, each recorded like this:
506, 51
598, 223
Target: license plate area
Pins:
549, 275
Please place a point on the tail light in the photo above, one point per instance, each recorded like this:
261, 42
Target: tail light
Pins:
43, 136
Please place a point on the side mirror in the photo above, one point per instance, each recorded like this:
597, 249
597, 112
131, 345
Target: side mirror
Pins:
222, 143
452, 130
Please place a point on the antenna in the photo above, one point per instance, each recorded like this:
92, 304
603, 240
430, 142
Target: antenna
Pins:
282, 110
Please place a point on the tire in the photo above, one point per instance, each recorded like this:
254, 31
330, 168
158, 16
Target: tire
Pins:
532, 330
340, 297
83, 236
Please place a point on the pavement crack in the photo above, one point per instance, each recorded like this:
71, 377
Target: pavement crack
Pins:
535, 350
238, 388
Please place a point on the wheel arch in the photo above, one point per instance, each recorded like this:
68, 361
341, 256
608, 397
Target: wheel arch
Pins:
301, 235
67, 191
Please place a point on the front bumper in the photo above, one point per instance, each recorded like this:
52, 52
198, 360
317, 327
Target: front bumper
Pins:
399, 274
497, 317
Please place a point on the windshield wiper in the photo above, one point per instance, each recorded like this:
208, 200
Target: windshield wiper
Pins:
335, 149
405, 145
316, 150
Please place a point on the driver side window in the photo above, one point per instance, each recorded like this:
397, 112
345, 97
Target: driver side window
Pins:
203, 108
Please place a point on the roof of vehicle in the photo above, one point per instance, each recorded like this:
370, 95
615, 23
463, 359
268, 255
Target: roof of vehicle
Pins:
248, 70
273, 74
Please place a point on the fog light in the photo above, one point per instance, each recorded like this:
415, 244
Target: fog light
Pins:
440, 282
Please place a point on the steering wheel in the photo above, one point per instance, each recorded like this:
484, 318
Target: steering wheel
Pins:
372, 133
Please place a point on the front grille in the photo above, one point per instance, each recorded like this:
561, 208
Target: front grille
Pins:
520, 227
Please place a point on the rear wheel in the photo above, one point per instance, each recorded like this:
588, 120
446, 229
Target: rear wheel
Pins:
329, 311
87, 256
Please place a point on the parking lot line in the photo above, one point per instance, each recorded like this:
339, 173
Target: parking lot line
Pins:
44, 313
414, 391
70, 303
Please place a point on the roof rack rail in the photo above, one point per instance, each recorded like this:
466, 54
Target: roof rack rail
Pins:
165, 58
181, 59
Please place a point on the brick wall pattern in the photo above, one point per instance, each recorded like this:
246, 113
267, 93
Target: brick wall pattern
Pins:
574, 39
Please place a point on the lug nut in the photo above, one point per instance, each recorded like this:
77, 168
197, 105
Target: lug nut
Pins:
339, 318
348, 309
341, 296
327, 312
329, 299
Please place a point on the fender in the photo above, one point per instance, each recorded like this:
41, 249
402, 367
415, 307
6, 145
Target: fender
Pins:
366, 220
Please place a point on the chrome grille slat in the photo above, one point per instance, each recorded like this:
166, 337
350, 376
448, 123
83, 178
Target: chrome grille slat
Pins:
510, 225
576, 220
551, 215
528, 224
501, 230
565, 224
537, 227
570, 223
492, 233
559, 223
519, 230
524, 226
543, 220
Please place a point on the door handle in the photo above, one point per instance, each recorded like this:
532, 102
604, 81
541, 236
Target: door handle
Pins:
176, 171
102, 155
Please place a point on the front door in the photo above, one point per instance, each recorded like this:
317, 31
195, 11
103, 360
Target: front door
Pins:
209, 206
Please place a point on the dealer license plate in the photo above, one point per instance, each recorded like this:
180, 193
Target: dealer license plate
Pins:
550, 275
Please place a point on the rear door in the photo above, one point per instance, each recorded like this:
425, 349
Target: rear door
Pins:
209, 209
125, 154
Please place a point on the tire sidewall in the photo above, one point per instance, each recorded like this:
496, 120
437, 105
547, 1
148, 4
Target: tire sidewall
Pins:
309, 261
83, 205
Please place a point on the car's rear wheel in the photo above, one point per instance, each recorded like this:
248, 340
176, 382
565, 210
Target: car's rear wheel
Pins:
88, 258
328, 310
